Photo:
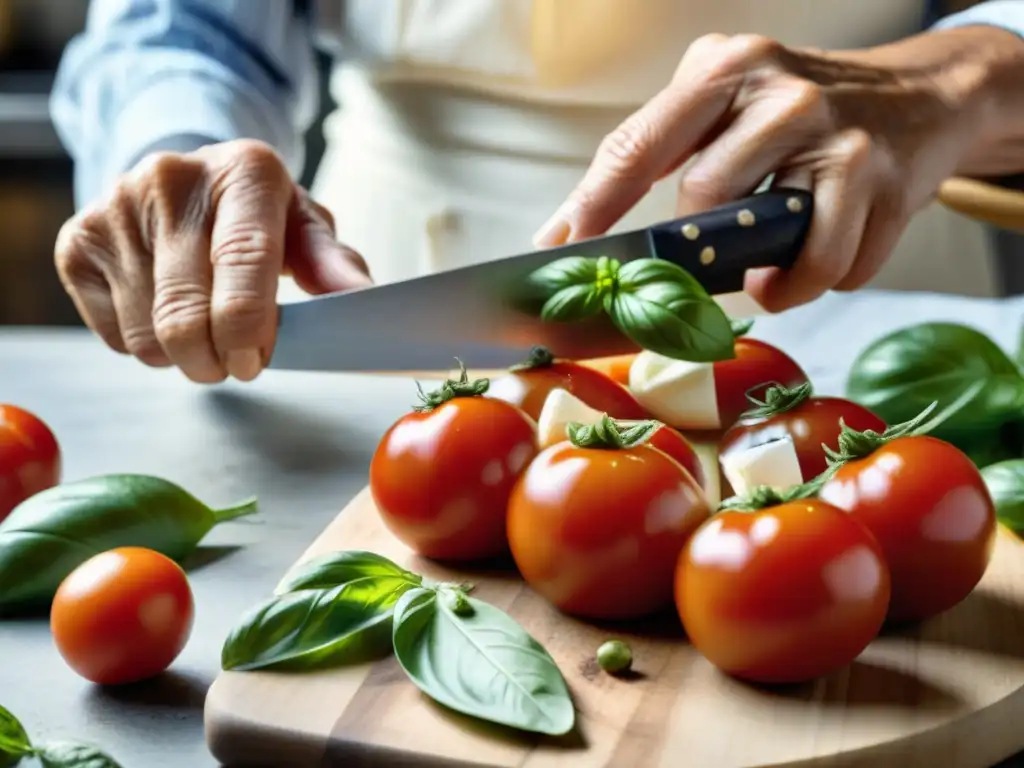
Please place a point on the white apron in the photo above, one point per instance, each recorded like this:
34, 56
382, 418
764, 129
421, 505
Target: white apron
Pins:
463, 124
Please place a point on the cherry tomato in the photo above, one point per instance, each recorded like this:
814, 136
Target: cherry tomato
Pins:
756, 363
30, 458
441, 477
928, 506
782, 595
597, 531
528, 387
615, 368
122, 616
679, 448
809, 421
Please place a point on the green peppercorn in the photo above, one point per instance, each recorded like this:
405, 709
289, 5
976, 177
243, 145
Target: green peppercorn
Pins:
614, 657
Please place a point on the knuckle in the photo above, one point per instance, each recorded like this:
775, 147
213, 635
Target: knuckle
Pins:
701, 186
623, 150
181, 315
143, 344
856, 147
751, 47
242, 245
805, 98
83, 247
259, 158
241, 319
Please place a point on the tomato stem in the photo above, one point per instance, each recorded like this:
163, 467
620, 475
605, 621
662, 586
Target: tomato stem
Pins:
763, 496
855, 445
450, 389
777, 399
741, 327
608, 433
241, 509
540, 357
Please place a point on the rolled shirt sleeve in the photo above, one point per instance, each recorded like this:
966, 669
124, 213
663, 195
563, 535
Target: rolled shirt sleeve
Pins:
1006, 14
146, 75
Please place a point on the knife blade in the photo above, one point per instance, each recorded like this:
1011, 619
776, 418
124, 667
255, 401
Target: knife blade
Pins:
485, 314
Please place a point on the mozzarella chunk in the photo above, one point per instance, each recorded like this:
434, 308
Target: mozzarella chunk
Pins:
560, 408
774, 464
677, 392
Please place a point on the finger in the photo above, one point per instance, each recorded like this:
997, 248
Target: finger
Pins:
131, 278
774, 128
649, 144
182, 274
885, 226
790, 178
82, 245
250, 207
842, 200
313, 255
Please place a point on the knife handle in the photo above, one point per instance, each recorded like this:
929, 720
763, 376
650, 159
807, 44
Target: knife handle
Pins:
718, 246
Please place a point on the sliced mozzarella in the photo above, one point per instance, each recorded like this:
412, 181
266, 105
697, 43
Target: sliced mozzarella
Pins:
677, 392
774, 464
560, 408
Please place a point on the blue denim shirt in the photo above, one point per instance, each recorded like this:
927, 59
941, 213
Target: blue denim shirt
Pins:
183, 73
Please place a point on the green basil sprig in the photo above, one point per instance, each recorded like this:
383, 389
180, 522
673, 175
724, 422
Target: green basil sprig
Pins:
657, 304
15, 745
50, 534
465, 654
473, 658
902, 372
1005, 482
333, 609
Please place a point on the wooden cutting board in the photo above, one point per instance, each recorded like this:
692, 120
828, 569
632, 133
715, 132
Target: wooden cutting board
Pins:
948, 693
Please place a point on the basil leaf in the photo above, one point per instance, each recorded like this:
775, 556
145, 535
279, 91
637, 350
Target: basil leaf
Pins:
1005, 482
314, 628
563, 273
66, 755
741, 327
577, 302
14, 741
902, 373
663, 308
480, 662
337, 568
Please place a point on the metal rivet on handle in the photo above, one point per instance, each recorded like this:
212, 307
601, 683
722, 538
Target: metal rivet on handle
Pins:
745, 218
795, 204
691, 231
707, 255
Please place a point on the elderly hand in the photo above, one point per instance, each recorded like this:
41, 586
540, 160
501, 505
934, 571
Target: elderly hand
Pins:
180, 265
873, 133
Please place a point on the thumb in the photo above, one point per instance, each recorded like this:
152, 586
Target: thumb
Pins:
314, 257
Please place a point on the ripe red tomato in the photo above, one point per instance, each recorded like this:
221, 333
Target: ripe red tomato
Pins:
679, 448
441, 477
808, 420
756, 363
782, 595
528, 387
122, 616
597, 531
928, 506
30, 458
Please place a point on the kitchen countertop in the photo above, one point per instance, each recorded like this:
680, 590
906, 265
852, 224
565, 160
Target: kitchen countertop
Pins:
302, 443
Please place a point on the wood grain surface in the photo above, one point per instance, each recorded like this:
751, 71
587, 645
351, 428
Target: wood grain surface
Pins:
947, 693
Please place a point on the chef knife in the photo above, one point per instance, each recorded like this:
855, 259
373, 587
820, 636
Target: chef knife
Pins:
486, 316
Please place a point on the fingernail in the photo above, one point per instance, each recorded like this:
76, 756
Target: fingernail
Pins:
244, 364
554, 232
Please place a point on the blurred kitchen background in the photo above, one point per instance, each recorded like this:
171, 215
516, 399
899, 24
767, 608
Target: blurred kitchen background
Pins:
941, 251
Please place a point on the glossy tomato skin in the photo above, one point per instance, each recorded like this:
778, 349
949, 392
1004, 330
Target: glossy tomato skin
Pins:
784, 595
672, 442
30, 457
597, 531
122, 616
809, 424
528, 388
441, 479
756, 363
928, 506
